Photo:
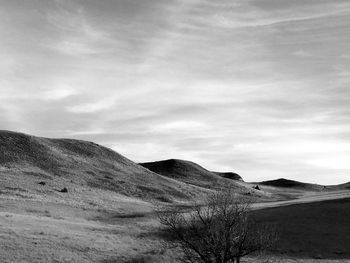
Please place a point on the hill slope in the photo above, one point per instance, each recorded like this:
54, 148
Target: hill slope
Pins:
282, 182
191, 173
27, 160
230, 175
346, 185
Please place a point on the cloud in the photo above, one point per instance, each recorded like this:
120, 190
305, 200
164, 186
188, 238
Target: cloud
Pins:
75, 35
179, 126
59, 92
336, 162
302, 53
96, 106
237, 14
257, 87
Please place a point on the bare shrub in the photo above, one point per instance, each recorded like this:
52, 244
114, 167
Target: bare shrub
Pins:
217, 231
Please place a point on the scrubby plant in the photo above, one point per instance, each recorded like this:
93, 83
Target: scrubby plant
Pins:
216, 231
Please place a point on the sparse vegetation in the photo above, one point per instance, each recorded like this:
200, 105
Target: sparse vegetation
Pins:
109, 201
218, 231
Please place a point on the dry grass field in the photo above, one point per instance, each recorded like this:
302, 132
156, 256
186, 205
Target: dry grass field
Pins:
105, 214
318, 230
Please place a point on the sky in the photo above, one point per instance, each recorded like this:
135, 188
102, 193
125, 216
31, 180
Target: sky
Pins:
258, 87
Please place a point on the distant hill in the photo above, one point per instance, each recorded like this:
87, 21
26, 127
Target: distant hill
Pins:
340, 186
346, 186
192, 173
230, 175
26, 160
282, 182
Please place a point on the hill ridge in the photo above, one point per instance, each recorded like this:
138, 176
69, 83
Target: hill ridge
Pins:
192, 173
283, 182
27, 159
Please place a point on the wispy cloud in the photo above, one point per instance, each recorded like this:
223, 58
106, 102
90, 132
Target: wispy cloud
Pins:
59, 92
75, 35
259, 86
104, 104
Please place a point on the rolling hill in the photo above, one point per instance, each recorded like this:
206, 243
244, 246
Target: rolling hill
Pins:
194, 174
76, 201
230, 175
35, 166
285, 183
346, 185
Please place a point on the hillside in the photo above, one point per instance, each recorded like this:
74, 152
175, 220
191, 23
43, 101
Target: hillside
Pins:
65, 200
346, 185
230, 175
26, 161
192, 173
285, 183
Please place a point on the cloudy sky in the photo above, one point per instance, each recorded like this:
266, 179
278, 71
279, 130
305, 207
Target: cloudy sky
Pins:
260, 87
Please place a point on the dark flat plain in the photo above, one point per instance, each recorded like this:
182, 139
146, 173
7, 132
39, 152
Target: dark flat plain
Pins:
319, 230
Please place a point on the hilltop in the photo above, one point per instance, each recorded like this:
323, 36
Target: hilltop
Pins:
286, 183
194, 174
230, 175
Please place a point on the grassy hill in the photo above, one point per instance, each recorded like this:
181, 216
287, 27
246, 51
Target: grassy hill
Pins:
230, 175
194, 174
66, 200
285, 183
26, 161
345, 186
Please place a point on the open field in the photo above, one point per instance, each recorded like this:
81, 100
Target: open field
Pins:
105, 214
33, 231
318, 230
50, 232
